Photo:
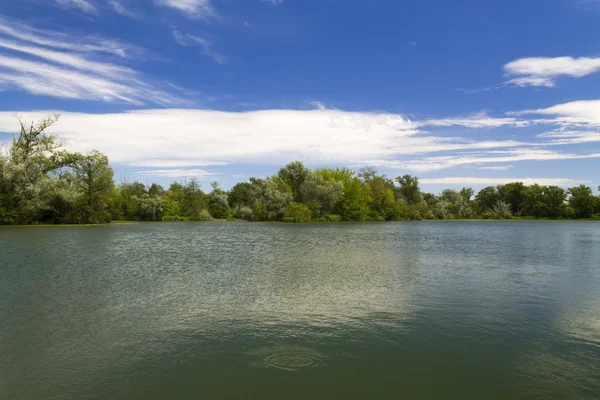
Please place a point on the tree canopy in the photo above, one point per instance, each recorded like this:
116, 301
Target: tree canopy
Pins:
41, 182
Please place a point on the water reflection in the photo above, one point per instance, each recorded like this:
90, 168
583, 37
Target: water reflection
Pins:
238, 306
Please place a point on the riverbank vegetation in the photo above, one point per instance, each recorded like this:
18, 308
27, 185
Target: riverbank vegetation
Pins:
40, 182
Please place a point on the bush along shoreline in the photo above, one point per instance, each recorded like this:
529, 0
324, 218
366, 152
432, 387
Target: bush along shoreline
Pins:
41, 183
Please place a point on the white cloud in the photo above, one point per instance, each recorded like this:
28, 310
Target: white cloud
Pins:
178, 173
119, 8
513, 155
576, 112
65, 69
63, 41
561, 136
205, 44
543, 71
476, 121
535, 81
192, 8
173, 138
499, 181
318, 105
83, 5
273, 2
72, 60
496, 168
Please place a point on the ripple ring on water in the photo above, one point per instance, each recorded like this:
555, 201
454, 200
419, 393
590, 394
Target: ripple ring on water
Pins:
293, 360
289, 358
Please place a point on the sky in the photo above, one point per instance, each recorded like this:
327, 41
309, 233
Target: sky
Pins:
458, 93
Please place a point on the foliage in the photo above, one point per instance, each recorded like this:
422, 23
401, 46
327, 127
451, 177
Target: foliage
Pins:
40, 182
298, 212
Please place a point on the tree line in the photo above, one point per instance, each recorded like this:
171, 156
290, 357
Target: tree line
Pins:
40, 182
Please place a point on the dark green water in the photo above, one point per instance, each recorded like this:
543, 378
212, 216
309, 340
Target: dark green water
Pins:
431, 310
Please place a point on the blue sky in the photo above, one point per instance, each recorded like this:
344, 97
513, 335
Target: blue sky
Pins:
461, 93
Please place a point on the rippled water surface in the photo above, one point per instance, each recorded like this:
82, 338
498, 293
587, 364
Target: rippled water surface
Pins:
430, 310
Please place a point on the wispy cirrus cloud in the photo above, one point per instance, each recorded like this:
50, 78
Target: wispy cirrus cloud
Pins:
273, 2
63, 41
83, 5
586, 112
475, 121
48, 63
544, 71
191, 8
428, 164
465, 180
118, 7
205, 45
497, 168
179, 173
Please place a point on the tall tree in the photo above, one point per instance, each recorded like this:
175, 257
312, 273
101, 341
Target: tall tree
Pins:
582, 201
294, 174
409, 189
95, 179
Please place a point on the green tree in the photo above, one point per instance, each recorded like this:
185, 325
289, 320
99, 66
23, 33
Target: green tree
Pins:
382, 195
298, 212
487, 198
319, 194
294, 174
218, 205
582, 201
409, 189
354, 204
95, 178
467, 194
514, 194
555, 199
149, 208
156, 190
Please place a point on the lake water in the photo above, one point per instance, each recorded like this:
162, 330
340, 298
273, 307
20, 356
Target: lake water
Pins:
427, 310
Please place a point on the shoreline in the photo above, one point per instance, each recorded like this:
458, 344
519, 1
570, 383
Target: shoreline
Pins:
293, 223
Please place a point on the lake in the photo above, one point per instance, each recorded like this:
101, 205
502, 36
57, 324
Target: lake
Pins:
424, 310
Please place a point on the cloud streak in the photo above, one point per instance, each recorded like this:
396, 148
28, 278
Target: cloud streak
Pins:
177, 138
543, 71
83, 5
205, 45
462, 180
54, 66
201, 9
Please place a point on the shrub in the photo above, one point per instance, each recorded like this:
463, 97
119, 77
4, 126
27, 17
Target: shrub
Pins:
175, 218
334, 218
204, 216
245, 213
288, 219
298, 212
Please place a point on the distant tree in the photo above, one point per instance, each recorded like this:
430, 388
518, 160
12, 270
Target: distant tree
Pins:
319, 194
294, 174
555, 199
502, 210
298, 212
354, 204
409, 189
514, 194
218, 205
487, 198
95, 178
467, 194
149, 208
156, 190
242, 195
582, 201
